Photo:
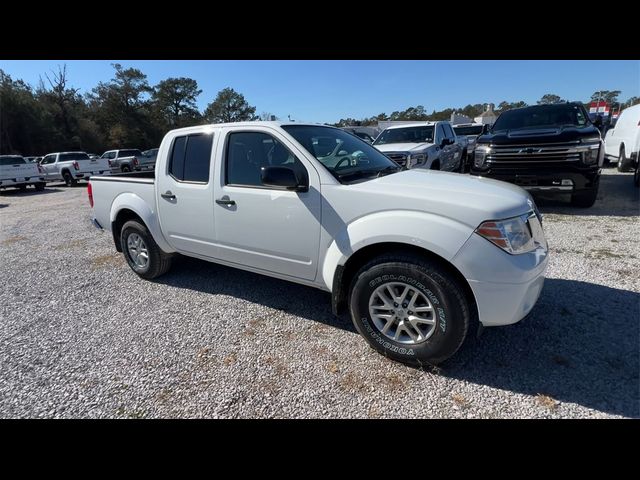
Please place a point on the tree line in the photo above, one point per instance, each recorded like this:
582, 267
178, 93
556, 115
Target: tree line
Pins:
124, 112
420, 114
128, 112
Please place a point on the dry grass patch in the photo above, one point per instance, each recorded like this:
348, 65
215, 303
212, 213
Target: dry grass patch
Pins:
546, 401
12, 240
105, 261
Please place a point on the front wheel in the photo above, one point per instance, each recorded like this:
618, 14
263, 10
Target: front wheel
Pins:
585, 199
142, 253
623, 161
409, 309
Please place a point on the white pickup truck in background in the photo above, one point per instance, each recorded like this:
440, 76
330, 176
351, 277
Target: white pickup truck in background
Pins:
431, 145
414, 255
15, 171
72, 166
129, 160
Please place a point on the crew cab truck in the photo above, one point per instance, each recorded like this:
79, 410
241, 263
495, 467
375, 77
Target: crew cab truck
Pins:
431, 145
550, 149
470, 131
413, 255
15, 171
122, 161
72, 166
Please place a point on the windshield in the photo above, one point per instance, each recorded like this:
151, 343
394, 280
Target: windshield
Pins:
406, 135
540, 117
346, 156
11, 160
130, 153
474, 130
65, 157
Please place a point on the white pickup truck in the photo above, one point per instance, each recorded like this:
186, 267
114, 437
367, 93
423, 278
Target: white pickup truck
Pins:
72, 166
15, 171
415, 255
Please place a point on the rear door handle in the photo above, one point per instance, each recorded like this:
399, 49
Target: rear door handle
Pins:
226, 201
168, 195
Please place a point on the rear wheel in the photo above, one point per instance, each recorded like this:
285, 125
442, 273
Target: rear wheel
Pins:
623, 161
585, 199
142, 253
409, 309
40, 186
69, 180
22, 188
126, 169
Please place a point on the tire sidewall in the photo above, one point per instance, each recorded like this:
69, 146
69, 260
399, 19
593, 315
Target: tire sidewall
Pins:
448, 314
127, 230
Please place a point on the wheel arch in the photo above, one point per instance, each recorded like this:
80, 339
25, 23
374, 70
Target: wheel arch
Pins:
345, 273
128, 206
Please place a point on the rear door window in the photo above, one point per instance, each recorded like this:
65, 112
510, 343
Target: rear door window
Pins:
191, 158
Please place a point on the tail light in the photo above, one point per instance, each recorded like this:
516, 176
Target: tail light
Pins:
135, 161
90, 194
76, 165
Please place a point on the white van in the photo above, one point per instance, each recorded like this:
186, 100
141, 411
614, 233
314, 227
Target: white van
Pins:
623, 142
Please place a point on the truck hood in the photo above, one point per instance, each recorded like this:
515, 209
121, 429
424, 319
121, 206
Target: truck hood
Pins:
467, 199
539, 135
403, 147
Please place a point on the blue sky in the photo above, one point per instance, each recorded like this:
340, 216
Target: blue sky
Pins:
325, 91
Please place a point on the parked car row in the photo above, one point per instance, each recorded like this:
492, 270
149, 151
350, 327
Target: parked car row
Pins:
16, 171
545, 149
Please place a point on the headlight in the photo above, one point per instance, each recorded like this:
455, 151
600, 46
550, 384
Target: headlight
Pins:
480, 154
416, 158
590, 149
512, 235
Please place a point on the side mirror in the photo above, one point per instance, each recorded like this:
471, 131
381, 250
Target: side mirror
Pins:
445, 142
283, 177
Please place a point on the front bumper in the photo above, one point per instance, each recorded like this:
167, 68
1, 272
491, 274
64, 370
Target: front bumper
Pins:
548, 179
505, 287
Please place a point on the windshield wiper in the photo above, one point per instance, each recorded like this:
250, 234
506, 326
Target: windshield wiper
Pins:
388, 170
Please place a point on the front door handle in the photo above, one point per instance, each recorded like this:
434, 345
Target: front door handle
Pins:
168, 195
226, 201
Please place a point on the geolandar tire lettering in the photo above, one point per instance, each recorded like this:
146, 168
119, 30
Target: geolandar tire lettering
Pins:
409, 309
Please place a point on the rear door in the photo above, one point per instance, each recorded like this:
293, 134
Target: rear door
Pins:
185, 193
49, 168
454, 149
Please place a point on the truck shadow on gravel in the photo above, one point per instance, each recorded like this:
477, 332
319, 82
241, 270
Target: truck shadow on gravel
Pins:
579, 345
299, 300
28, 193
617, 196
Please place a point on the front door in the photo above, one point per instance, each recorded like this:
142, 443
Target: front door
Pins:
267, 228
185, 193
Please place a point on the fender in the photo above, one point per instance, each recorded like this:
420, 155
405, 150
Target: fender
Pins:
440, 235
141, 208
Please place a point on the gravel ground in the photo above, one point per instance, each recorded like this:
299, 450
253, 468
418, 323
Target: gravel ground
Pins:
82, 336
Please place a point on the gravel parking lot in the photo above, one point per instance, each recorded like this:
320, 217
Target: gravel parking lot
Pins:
82, 336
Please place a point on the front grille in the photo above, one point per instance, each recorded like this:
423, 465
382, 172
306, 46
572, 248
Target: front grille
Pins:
559, 152
399, 158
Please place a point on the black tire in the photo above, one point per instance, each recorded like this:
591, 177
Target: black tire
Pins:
463, 162
22, 188
451, 313
39, 186
623, 161
125, 169
585, 199
435, 165
158, 261
69, 181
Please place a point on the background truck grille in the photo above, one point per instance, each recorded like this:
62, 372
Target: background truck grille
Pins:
560, 152
399, 158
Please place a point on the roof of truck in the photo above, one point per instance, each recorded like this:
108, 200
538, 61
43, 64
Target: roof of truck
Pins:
417, 124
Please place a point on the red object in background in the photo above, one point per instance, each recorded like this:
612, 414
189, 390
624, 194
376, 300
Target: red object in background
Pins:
90, 194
